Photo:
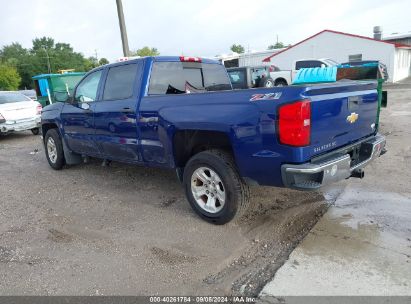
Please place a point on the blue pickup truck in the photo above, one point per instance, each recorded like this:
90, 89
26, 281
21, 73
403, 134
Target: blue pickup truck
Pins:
182, 113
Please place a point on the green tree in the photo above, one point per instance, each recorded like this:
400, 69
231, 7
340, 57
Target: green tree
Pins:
42, 43
277, 45
18, 57
103, 61
34, 61
9, 78
90, 63
238, 48
146, 51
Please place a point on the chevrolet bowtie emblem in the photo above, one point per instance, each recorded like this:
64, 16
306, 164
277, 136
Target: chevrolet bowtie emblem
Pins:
352, 117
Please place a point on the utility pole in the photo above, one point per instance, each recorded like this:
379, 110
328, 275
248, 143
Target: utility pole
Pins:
48, 60
123, 30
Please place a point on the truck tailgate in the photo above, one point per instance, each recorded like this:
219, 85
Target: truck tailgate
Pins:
341, 113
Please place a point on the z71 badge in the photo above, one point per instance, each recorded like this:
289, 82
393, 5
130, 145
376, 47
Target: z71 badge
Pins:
269, 96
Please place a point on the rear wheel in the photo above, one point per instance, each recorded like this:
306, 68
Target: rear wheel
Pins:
54, 149
214, 188
35, 131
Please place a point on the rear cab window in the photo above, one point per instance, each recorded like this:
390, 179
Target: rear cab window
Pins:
187, 77
120, 82
237, 76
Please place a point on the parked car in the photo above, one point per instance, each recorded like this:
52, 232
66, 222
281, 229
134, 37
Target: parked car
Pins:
29, 93
18, 113
257, 77
181, 113
284, 77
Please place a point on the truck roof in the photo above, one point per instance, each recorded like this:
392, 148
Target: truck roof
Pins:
164, 59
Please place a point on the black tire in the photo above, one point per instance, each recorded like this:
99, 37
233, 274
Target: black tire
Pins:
35, 131
281, 83
59, 162
266, 83
237, 194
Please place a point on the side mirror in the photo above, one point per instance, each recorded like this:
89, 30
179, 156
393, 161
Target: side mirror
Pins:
61, 96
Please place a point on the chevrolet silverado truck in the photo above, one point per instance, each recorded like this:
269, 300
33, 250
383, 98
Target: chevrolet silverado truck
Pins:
181, 113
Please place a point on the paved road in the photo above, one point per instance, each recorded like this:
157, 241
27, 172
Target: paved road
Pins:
362, 245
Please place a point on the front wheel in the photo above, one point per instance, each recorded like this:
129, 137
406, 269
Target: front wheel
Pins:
214, 188
35, 131
54, 149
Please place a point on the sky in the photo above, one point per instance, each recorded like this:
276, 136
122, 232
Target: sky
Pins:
193, 28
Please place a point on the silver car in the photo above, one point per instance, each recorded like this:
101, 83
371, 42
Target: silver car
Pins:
18, 113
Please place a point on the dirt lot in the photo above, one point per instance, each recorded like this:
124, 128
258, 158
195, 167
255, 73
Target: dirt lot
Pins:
93, 230
121, 229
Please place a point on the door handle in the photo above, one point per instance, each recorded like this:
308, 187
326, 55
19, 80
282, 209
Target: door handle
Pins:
127, 110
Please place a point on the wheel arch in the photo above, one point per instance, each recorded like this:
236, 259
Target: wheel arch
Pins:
280, 79
45, 127
187, 143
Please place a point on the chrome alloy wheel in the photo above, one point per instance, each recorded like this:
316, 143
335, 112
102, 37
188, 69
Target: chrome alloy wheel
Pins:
52, 150
208, 189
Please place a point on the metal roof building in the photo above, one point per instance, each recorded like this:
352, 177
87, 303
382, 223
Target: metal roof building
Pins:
343, 47
399, 38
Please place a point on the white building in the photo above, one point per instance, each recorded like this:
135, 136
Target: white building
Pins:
343, 47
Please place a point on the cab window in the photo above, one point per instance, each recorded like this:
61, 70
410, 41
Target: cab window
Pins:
120, 82
87, 89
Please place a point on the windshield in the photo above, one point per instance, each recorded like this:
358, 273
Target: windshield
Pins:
9, 97
187, 77
331, 62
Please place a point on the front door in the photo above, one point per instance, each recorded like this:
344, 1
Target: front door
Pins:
115, 115
78, 118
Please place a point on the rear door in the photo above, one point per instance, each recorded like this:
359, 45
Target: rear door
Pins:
78, 118
115, 115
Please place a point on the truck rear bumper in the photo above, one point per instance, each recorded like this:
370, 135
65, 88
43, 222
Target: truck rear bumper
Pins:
335, 166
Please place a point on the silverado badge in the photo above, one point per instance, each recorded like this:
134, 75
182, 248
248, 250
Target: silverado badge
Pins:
352, 117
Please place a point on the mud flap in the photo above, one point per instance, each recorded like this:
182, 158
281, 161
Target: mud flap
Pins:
71, 157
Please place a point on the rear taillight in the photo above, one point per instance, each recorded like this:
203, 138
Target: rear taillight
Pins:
190, 59
294, 123
39, 108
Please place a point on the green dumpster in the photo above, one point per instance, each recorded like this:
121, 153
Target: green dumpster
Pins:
48, 85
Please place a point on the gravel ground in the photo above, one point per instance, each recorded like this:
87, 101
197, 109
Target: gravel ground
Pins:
127, 230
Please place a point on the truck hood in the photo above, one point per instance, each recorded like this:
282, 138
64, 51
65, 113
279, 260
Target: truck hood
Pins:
53, 107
